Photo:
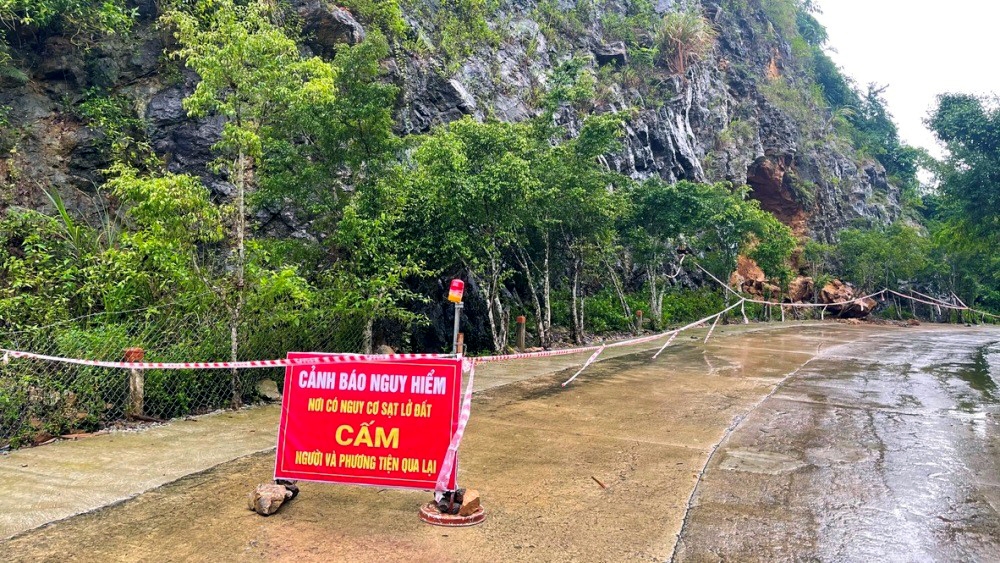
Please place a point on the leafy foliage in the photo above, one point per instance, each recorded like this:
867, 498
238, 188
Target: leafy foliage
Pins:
83, 15
384, 14
460, 27
124, 132
965, 217
876, 258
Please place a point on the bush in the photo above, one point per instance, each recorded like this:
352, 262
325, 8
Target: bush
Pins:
685, 37
385, 14
681, 306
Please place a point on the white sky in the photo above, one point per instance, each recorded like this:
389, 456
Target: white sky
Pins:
919, 49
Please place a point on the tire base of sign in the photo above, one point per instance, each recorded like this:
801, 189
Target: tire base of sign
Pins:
430, 514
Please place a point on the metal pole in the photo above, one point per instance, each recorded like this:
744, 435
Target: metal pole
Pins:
458, 318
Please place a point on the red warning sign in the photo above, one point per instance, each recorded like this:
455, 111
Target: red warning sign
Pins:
380, 423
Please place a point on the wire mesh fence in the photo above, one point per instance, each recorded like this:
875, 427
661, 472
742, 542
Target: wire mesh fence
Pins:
41, 399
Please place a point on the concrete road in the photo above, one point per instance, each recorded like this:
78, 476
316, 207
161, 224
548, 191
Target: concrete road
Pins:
70, 477
884, 449
826, 442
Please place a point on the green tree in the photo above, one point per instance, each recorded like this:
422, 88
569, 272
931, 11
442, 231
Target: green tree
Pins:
250, 71
331, 135
966, 215
371, 276
882, 257
569, 214
168, 218
817, 256
970, 129
662, 218
713, 220
465, 206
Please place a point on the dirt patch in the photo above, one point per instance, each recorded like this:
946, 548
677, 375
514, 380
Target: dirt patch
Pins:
769, 178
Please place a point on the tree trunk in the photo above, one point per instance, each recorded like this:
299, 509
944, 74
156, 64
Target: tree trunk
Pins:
547, 294
496, 316
655, 298
240, 273
576, 313
536, 301
234, 322
369, 335
620, 291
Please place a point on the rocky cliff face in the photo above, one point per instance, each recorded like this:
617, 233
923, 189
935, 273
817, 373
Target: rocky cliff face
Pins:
742, 114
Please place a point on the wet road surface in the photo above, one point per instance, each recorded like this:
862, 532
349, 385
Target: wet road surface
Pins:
823, 442
885, 449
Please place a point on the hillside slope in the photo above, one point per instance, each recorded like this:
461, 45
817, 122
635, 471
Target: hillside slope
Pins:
750, 111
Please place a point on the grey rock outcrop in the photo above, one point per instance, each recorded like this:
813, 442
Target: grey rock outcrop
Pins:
720, 122
325, 26
185, 143
615, 53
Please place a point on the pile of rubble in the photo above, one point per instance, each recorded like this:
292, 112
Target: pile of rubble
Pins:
841, 297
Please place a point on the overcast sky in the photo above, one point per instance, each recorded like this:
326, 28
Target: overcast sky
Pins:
919, 49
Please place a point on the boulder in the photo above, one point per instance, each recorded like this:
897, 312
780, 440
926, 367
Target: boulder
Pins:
843, 303
750, 279
267, 498
268, 389
836, 291
290, 485
801, 290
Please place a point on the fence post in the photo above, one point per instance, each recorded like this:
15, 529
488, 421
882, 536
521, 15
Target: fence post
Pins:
136, 383
639, 324
521, 321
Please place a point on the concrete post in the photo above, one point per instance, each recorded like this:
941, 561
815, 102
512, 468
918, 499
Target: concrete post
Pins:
136, 383
521, 321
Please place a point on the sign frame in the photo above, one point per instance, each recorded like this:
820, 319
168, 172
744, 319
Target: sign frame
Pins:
305, 431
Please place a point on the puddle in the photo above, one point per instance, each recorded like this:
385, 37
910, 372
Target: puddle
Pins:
980, 374
984, 371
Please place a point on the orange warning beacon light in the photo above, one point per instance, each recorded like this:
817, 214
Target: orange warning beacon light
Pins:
456, 291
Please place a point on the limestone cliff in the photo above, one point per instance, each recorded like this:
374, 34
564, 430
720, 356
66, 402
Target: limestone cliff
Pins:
742, 114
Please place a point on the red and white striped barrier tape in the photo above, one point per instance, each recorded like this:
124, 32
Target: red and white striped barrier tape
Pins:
934, 299
247, 364
252, 364
589, 361
448, 465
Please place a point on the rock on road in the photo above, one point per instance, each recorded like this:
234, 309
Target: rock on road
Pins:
818, 442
